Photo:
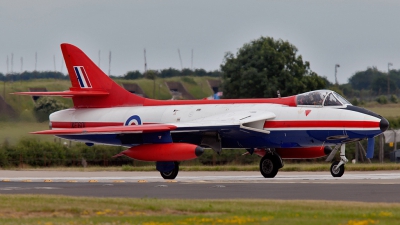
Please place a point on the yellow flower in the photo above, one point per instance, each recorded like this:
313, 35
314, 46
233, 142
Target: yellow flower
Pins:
385, 214
362, 222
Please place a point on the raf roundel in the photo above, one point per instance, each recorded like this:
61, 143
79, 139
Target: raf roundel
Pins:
133, 120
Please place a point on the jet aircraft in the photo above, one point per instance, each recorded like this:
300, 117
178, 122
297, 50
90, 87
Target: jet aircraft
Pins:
302, 126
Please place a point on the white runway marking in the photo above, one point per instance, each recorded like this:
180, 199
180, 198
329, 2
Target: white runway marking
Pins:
197, 177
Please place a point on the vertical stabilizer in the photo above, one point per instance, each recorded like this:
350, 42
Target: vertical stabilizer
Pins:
87, 77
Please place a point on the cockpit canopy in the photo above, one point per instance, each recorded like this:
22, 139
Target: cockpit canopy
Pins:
321, 98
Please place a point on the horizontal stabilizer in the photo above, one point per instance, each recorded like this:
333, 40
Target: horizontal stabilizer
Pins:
66, 94
110, 130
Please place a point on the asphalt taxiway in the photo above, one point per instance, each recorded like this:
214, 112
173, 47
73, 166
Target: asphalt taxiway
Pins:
380, 186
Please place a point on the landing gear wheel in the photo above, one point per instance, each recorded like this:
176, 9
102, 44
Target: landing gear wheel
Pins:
337, 171
269, 166
170, 175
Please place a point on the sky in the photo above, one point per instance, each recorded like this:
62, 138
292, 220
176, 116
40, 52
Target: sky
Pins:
355, 34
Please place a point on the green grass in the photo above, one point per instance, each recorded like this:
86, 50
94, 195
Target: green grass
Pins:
44, 209
162, 91
25, 104
389, 110
14, 131
197, 86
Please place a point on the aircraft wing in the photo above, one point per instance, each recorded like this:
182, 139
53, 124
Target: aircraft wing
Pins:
248, 119
150, 128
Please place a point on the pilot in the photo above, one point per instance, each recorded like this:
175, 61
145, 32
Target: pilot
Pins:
300, 100
315, 99
331, 101
308, 99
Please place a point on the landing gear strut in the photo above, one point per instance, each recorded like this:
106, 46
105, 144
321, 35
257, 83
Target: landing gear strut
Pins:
270, 164
337, 167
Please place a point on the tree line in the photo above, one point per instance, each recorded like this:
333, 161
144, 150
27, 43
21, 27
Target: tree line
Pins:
376, 81
136, 74
33, 75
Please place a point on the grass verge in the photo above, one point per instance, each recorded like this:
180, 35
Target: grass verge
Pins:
15, 131
44, 209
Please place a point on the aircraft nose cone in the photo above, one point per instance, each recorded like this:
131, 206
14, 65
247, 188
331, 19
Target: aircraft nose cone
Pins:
384, 124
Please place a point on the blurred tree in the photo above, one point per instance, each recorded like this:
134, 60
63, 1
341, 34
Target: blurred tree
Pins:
133, 75
33, 75
151, 74
379, 85
187, 72
265, 65
45, 106
170, 72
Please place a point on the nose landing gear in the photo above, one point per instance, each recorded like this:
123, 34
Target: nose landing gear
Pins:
336, 170
337, 167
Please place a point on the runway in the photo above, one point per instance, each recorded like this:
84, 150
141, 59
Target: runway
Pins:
380, 186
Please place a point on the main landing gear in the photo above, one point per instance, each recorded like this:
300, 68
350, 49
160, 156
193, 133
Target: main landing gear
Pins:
270, 163
168, 170
337, 167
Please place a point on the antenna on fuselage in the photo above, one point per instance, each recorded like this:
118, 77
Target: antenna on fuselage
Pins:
278, 93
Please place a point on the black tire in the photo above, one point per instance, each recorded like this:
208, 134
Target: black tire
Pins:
269, 166
171, 174
339, 171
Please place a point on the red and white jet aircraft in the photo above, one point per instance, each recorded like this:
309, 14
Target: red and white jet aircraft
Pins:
303, 126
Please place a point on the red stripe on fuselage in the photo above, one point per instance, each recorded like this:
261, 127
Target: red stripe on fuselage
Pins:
321, 124
88, 124
84, 124
289, 101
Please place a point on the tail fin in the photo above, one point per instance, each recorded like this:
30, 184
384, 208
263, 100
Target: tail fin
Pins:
91, 87
86, 77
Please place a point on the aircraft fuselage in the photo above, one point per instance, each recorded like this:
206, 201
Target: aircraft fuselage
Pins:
292, 126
